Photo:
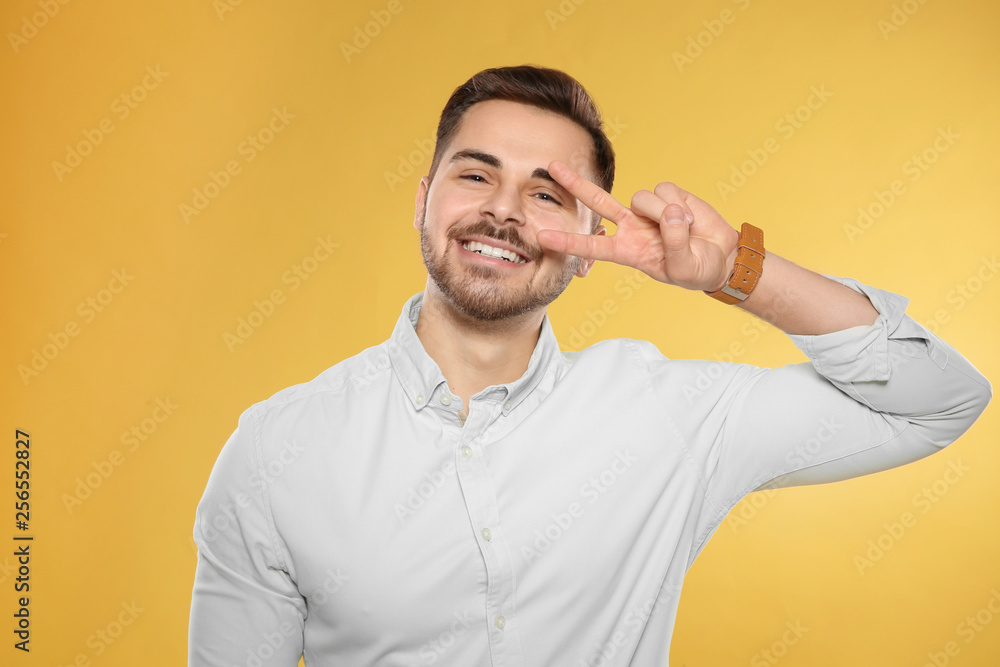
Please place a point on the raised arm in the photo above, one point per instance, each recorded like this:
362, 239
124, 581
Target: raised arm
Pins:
903, 393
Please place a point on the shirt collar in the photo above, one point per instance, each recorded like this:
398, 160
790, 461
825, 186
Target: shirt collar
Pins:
420, 375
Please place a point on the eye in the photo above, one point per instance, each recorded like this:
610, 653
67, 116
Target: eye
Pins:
545, 196
474, 177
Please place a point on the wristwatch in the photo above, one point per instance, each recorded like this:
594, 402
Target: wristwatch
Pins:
748, 267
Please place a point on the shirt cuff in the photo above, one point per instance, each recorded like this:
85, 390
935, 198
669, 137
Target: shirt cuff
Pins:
862, 353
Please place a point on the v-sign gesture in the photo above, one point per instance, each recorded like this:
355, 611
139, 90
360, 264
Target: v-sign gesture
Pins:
668, 234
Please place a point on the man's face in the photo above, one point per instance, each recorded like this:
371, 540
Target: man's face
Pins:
490, 196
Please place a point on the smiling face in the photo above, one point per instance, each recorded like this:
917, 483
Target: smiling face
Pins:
490, 196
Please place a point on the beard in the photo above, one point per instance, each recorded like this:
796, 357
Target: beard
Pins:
481, 292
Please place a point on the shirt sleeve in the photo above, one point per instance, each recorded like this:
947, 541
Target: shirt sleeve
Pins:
245, 607
872, 398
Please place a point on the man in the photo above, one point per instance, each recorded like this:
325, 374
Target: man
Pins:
467, 494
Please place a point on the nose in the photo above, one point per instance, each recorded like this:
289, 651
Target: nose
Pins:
504, 205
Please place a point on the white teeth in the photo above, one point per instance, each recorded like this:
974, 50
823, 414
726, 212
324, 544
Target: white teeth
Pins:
490, 251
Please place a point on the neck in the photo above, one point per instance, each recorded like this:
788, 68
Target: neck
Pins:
474, 354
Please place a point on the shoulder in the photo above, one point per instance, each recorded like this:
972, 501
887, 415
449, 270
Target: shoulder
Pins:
337, 386
634, 358
630, 352
612, 362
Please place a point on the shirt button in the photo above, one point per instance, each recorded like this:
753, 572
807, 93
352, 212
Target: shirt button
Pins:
445, 399
506, 406
467, 452
420, 399
500, 622
487, 534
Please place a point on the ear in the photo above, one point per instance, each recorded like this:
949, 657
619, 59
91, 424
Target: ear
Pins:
588, 264
419, 203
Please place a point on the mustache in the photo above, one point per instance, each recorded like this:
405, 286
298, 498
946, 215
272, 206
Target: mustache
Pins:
507, 234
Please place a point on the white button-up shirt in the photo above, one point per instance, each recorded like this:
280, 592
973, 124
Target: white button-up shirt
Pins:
357, 520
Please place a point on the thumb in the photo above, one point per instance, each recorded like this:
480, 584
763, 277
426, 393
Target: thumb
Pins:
676, 236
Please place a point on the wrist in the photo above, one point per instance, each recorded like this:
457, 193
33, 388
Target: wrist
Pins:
747, 262
729, 265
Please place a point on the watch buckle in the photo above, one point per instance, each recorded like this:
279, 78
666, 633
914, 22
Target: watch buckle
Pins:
733, 292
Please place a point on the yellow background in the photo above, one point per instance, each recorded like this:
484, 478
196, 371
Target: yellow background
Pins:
360, 116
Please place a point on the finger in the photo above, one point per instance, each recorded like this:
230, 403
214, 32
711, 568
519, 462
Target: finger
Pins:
672, 194
589, 194
675, 231
647, 205
588, 246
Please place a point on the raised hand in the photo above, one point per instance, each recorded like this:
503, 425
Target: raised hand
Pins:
668, 234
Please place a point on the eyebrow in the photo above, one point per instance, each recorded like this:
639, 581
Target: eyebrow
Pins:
494, 161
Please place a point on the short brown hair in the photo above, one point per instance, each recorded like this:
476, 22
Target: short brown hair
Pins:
542, 87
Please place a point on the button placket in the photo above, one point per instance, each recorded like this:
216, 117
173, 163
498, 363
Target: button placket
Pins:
481, 504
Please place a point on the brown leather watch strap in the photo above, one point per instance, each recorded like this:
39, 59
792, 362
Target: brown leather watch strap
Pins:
748, 267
